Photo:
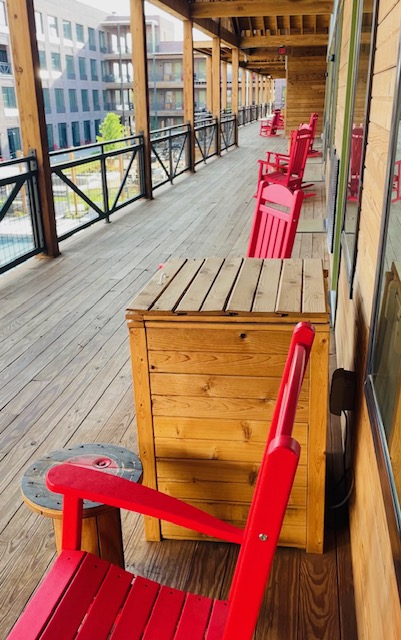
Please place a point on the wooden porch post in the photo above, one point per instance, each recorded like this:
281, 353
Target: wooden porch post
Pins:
216, 99
224, 85
234, 80
189, 99
141, 95
209, 103
249, 100
21, 19
234, 88
243, 87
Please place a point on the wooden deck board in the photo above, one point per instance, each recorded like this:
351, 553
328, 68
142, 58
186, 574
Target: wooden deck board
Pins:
65, 378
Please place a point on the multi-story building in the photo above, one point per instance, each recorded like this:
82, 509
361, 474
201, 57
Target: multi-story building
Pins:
71, 44
165, 72
85, 61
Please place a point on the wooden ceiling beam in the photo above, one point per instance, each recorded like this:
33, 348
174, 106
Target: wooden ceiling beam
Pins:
255, 8
301, 40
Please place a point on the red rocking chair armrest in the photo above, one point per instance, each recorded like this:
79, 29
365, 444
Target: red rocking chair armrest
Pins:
82, 483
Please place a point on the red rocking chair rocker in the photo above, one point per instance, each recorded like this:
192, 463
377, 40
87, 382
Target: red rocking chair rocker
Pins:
85, 597
273, 230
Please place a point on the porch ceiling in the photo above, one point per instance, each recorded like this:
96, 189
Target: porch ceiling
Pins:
259, 27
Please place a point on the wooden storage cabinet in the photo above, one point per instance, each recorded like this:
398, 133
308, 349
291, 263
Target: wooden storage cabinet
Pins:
205, 384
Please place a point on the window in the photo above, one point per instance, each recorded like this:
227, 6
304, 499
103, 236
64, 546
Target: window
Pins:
39, 23
383, 383
85, 99
70, 65
97, 127
53, 26
80, 32
60, 104
102, 41
46, 100
92, 39
14, 141
72, 97
82, 68
67, 30
94, 75
87, 131
42, 59
50, 137
76, 136
62, 135
3, 15
96, 101
9, 99
56, 61
363, 67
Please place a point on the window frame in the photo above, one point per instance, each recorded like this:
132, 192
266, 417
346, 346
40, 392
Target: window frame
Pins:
393, 518
350, 259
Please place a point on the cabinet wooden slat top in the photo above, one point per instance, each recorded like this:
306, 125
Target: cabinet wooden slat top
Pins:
234, 287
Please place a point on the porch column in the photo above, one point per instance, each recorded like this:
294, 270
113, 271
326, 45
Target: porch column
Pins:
249, 100
216, 99
224, 85
234, 79
209, 104
28, 87
243, 87
234, 88
141, 95
188, 93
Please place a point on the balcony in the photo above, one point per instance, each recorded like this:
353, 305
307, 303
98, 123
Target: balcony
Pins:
67, 380
5, 68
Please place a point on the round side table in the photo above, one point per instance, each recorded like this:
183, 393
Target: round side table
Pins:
101, 526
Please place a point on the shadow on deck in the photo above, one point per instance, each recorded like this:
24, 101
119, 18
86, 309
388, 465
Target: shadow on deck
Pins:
66, 379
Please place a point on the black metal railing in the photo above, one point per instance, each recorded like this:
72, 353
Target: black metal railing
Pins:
21, 234
252, 113
91, 182
170, 153
205, 135
228, 131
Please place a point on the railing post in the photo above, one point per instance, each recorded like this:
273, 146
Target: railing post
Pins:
105, 187
141, 94
216, 94
189, 98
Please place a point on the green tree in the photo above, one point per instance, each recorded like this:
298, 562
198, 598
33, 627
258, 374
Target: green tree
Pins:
111, 129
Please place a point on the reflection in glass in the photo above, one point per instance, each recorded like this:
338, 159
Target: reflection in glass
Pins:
386, 361
358, 134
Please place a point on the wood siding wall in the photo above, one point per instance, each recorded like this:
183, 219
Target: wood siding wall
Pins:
306, 85
377, 603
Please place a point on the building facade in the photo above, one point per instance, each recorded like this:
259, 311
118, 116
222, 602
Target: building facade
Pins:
86, 70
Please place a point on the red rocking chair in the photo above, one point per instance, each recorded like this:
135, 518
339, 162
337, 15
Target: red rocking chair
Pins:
287, 170
313, 153
86, 597
273, 230
355, 163
269, 127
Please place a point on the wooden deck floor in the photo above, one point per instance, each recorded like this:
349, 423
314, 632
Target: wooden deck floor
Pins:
65, 379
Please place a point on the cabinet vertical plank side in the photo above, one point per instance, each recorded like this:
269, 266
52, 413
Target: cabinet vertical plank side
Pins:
318, 391
140, 376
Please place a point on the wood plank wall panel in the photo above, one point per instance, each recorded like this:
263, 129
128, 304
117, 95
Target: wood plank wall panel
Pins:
306, 85
377, 603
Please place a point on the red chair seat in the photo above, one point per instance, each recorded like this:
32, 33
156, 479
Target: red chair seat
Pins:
86, 594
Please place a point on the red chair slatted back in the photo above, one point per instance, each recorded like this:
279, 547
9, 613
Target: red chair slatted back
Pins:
273, 230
